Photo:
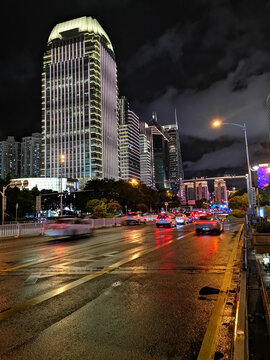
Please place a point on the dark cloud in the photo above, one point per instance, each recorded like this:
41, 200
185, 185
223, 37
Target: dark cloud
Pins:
205, 58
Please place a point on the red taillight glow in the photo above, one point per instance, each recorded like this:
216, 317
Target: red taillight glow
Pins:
206, 222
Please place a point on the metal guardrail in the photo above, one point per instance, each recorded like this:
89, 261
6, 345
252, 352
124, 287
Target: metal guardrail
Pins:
240, 346
21, 229
17, 230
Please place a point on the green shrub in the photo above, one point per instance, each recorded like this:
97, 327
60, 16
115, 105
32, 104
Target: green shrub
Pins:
263, 227
108, 215
237, 214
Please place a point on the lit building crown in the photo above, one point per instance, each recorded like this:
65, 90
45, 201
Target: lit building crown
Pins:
82, 24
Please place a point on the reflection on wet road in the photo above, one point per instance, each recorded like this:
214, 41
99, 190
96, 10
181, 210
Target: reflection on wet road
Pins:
128, 292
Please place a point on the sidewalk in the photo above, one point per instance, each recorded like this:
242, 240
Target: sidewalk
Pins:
259, 342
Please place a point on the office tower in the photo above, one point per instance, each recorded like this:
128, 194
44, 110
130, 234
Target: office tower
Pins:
9, 157
146, 153
202, 192
268, 113
220, 190
31, 155
79, 102
160, 146
129, 142
175, 158
187, 193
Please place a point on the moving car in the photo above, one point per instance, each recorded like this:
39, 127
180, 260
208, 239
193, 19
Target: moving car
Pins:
165, 220
181, 219
68, 227
189, 217
134, 218
208, 224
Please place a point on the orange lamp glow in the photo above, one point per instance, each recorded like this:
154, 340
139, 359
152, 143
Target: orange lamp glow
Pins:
62, 158
216, 123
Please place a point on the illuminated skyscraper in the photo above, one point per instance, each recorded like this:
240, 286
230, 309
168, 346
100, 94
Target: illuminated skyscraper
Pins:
129, 142
175, 158
160, 145
79, 102
146, 155
31, 155
9, 157
220, 189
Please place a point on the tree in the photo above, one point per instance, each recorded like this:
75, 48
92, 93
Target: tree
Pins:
91, 204
113, 207
142, 207
265, 196
100, 209
239, 202
238, 193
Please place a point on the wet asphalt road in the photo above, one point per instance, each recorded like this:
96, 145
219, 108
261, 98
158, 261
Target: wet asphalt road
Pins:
146, 304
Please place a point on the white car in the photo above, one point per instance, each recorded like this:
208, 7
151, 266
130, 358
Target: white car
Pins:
165, 220
68, 227
134, 218
208, 224
181, 219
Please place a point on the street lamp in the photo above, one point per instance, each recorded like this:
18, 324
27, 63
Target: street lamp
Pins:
218, 123
134, 182
12, 185
62, 161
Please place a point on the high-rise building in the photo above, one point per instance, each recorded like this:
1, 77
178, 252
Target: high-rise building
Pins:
146, 155
129, 142
79, 102
268, 113
175, 158
160, 153
187, 193
9, 157
31, 155
220, 190
192, 191
202, 192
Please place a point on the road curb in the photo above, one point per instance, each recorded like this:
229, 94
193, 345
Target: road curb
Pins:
240, 344
210, 340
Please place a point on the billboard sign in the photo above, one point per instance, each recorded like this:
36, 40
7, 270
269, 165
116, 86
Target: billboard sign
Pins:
262, 177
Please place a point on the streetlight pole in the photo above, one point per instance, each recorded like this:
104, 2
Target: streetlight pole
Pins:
247, 155
62, 161
12, 184
3, 203
218, 123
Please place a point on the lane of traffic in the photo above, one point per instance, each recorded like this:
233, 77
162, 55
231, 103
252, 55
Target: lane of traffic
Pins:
131, 314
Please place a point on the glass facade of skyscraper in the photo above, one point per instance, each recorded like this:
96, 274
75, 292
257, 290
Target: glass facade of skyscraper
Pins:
129, 142
79, 102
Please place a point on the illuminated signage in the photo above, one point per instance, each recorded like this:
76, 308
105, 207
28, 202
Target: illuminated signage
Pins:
262, 177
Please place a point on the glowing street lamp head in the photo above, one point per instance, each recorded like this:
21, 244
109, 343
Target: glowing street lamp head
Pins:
134, 182
216, 123
62, 158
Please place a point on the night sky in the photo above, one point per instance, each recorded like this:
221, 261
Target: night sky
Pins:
205, 58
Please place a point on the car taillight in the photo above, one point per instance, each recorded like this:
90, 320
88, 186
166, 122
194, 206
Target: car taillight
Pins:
61, 227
